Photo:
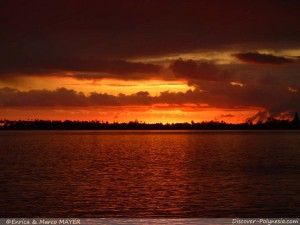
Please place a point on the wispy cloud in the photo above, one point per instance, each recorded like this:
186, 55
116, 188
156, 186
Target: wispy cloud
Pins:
259, 58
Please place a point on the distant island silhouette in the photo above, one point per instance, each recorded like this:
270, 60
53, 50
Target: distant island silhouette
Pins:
269, 124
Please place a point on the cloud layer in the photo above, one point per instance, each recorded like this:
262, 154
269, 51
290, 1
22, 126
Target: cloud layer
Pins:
255, 57
192, 70
226, 97
38, 36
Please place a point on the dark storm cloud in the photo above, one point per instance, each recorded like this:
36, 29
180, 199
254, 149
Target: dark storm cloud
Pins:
35, 32
258, 58
41, 98
98, 68
200, 72
63, 97
115, 69
232, 86
193, 70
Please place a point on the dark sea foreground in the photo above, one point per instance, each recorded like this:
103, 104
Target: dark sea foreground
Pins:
149, 174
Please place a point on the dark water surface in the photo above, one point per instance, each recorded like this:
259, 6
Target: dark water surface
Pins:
149, 174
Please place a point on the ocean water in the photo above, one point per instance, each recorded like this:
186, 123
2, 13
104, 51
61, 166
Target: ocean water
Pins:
150, 174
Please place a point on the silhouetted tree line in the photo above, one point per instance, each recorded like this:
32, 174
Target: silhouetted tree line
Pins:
269, 124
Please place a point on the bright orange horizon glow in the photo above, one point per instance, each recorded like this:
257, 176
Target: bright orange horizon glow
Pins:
157, 113
148, 114
109, 86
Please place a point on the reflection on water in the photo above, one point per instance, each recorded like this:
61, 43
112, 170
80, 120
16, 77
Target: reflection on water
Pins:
149, 174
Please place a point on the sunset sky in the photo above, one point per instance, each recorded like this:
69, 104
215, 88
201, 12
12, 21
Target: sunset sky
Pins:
154, 61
